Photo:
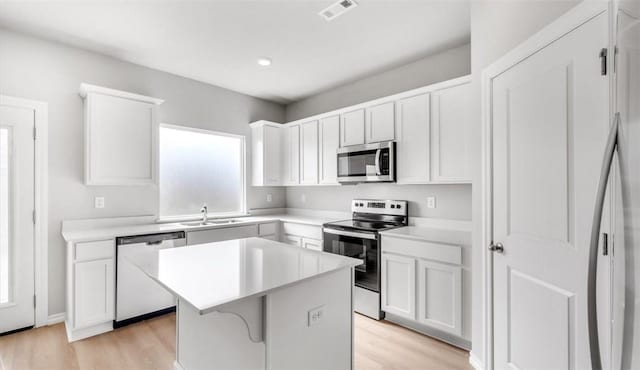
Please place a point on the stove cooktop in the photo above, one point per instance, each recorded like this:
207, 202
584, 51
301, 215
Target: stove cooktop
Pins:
362, 225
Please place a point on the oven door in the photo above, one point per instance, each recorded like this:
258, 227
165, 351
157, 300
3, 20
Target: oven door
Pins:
361, 245
367, 163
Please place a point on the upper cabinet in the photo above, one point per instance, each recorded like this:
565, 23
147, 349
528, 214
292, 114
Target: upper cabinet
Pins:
412, 129
329, 144
451, 134
309, 153
266, 153
352, 128
430, 125
121, 136
291, 155
380, 123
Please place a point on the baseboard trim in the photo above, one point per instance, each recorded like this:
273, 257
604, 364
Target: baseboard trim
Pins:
454, 340
56, 318
177, 366
475, 361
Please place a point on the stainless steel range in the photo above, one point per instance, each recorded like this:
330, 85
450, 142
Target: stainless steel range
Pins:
360, 238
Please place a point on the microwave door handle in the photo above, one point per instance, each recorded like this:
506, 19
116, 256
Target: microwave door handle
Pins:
378, 169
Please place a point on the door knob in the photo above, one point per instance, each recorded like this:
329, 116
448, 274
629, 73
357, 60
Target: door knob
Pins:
496, 247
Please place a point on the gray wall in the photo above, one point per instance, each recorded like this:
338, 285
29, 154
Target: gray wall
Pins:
449, 64
41, 70
452, 201
496, 28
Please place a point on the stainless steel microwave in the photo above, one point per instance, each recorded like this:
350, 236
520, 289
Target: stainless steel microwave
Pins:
367, 163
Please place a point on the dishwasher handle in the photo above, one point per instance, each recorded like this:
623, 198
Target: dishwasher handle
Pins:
150, 239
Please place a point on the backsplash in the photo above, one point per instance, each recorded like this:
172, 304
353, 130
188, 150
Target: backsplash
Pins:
451, 201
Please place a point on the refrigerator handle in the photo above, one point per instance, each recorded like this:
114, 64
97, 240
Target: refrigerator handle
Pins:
592, 314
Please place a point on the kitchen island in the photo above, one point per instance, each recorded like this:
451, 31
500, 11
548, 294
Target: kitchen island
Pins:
258, 304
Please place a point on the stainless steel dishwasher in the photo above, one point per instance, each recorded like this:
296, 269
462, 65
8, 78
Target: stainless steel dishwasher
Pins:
138, 297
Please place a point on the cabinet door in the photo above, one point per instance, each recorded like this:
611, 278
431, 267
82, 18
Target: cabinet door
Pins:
451, 134
399, 285
309, 140
121, 136
291, 155
329, 144
271, 155
314, 244
94, 292
412, 130
380, 123
352, 128
440, 296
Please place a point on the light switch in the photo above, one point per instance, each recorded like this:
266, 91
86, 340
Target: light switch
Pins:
99, 202
431, 202
316, 315
269, 198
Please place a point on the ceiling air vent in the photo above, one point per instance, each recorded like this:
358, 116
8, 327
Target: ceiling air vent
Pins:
335, 10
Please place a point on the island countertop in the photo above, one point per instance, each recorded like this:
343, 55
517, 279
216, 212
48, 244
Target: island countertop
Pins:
210, 275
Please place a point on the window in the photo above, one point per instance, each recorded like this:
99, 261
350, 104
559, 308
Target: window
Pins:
200, 167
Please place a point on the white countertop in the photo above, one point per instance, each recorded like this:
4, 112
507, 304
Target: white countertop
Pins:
444, 236
103, 233
210, 275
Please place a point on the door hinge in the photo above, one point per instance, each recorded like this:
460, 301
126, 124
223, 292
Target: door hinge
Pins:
605, 244
34, 301
603, 61
33, 216
34, 133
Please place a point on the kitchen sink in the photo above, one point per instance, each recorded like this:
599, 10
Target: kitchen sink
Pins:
212, 223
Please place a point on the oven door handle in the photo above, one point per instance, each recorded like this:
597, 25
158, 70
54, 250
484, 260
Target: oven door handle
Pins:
378, 155
353, 234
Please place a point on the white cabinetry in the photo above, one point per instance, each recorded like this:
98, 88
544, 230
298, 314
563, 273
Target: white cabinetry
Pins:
422, 282
310, 243
90, 286
266, 153
412, 129
94, 283
329, 144
352, 128
309, 153
380, 123
399, 285
121, 136
439, 295
291, 155
302, 235
451, 134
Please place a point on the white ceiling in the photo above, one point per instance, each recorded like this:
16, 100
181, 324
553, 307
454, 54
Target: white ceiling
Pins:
218, 42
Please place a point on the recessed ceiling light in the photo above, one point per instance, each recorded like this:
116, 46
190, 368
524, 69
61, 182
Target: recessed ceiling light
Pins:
265, 62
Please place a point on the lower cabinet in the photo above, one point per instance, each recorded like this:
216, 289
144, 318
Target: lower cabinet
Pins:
302, 235
292, 239
94, 283
399, 285
439, 296
314, 244
422, 282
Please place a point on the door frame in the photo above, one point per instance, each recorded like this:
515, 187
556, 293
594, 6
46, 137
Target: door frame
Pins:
566, 23
41, 261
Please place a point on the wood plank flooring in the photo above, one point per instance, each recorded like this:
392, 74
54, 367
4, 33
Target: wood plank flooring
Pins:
151, 345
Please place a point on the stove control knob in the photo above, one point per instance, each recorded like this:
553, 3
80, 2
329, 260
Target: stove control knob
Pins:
398, 206
393, 206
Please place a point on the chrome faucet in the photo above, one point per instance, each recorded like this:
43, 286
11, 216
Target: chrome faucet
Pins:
205, 212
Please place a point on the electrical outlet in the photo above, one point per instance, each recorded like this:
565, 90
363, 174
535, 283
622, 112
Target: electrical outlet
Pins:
316, 315
431, 202
99, 202
269, 198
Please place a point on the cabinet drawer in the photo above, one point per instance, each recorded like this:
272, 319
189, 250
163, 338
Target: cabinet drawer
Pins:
313, 244
307, 231
421, 249
292, 240
267, 229
94, 250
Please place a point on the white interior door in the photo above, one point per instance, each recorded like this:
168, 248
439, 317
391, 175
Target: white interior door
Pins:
16, 218
550, 122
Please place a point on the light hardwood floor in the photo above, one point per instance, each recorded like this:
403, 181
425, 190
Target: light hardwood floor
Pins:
151, 345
